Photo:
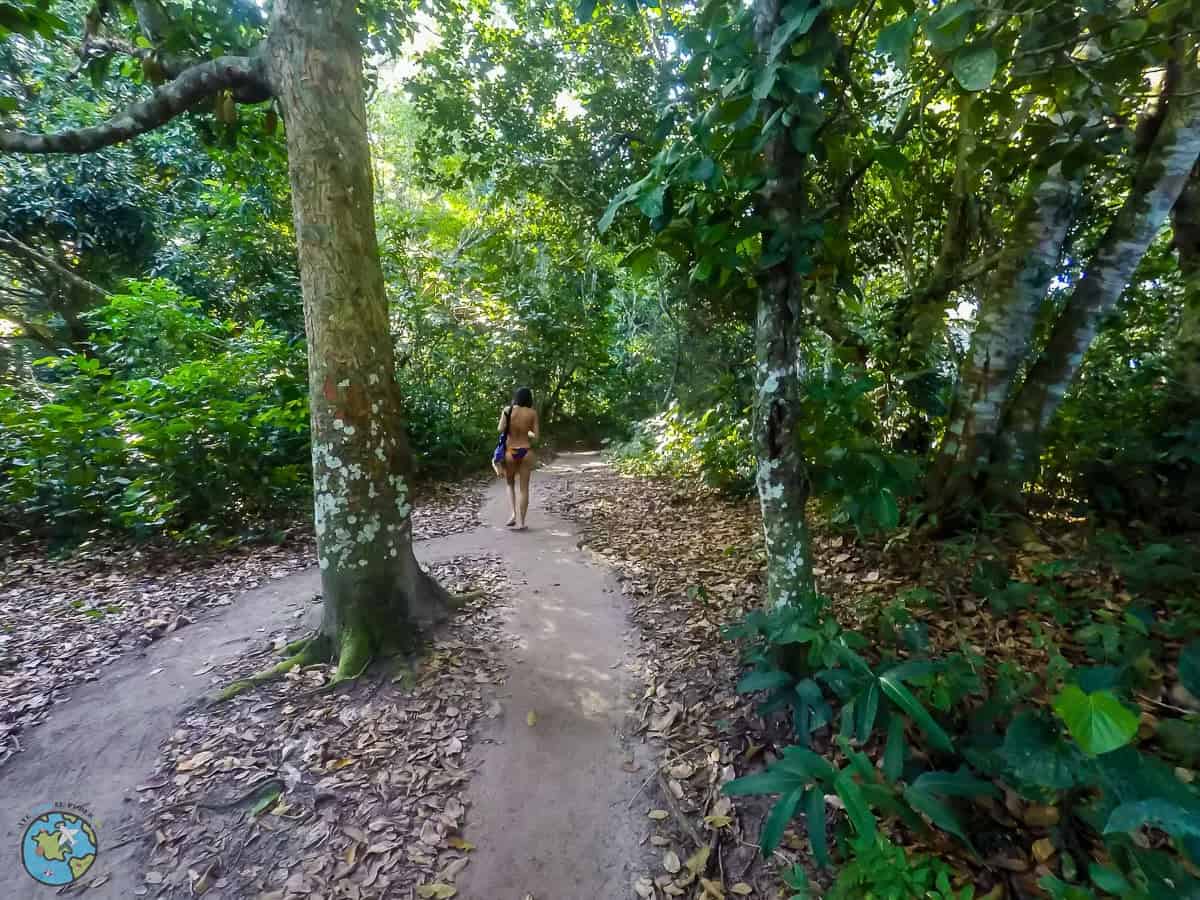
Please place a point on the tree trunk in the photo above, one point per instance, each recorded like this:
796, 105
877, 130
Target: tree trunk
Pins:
375, 592
1185, 222
1155, 189
1003, 331
782, 478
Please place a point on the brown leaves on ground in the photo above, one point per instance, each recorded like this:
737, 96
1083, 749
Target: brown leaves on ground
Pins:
62, 620
369, 779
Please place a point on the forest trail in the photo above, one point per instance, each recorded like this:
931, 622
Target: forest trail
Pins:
550, 804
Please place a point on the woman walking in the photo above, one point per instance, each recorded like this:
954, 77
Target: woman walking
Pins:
518, 429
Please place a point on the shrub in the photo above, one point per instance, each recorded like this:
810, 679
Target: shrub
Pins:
178, 424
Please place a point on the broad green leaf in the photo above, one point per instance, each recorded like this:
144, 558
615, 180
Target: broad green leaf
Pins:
903, 698
1109, 880
651, 202
947, 29
777, 820
1172, 818
1037, 755
764, 681
796, 26
896, 41
1098, 722
975, 67
857, 811
814, 817
938, 812
765, 81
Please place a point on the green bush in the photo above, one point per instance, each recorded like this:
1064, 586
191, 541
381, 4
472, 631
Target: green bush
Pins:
715, 446
178, 425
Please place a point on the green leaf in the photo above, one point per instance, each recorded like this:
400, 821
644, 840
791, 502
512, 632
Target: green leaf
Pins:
806, 764
8, 104
1037, 755
938, 812
866, 707
896, 41
891, 158
765, 81
777, 820
857, 811
797, 26
893, 754
1189, 668
955, 784
1172, 818
764, 681
949, 27
773, 781
1097, 721
903, 698
585, 9
814, 817
975, 67
1109, 880
264, 802
651, 202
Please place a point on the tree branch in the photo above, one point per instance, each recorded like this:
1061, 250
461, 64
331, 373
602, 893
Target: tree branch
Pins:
10, 243
203, 80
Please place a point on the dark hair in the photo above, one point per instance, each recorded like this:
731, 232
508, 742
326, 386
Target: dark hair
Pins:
523, 397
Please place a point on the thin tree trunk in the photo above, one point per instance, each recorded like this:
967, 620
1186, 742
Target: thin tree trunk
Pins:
1185, 222
782, 478
1004, 328
374, 590
1155, 189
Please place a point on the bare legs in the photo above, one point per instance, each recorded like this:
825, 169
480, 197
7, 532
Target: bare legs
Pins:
512, 497
524, 473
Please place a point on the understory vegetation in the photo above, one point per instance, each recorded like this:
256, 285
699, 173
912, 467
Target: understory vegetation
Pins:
921, 278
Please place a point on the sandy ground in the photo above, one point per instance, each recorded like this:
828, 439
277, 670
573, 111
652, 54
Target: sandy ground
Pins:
550, 806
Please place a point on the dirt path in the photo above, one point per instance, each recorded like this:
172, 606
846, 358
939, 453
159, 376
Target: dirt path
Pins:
549, 806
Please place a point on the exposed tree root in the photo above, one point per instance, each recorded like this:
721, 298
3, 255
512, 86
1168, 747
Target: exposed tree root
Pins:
311, 651
354, 656
458, 601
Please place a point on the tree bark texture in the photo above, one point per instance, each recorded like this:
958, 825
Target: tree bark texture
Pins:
1004, 327
374, 589
1156, 187
782, 479
1185, 223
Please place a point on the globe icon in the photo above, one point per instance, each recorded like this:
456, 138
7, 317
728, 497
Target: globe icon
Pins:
58, 847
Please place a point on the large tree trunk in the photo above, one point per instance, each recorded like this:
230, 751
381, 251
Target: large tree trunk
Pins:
375, 592
1004, 328
1155, 189
783, 486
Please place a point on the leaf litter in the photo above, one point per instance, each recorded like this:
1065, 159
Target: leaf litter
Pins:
65, 618
691, 562
370, 779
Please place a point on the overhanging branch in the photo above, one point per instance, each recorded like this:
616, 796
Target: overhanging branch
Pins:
240, 73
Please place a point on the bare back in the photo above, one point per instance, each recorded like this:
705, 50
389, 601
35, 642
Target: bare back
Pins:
522, 421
